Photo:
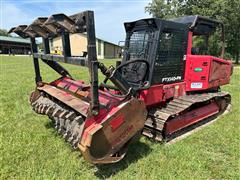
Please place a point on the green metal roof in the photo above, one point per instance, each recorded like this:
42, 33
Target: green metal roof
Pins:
14, 39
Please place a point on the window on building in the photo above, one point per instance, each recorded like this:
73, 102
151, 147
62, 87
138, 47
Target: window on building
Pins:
99, 47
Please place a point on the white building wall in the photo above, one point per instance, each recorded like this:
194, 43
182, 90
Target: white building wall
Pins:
79, 45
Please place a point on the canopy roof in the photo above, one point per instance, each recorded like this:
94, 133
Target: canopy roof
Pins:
199, 25
14, 39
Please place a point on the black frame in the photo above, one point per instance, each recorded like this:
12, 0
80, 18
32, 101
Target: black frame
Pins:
60, 24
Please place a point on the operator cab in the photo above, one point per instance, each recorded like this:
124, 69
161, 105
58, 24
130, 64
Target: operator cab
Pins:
157, 48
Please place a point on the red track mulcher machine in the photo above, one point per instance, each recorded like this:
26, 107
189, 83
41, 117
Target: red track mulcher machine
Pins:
160, 88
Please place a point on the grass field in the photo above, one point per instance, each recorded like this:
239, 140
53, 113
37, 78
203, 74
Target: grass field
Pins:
31, 149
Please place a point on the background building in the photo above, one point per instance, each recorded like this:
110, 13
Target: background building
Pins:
105, 49
14, 45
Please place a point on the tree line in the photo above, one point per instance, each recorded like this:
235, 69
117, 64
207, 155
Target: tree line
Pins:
227, 11
4, 32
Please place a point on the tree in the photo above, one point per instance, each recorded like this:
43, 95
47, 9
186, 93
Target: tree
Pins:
223, 10
40, 46
3, 32
163, 9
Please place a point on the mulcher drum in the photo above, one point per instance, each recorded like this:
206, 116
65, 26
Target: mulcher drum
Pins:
67, 122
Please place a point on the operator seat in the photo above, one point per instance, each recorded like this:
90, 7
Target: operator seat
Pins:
135, 73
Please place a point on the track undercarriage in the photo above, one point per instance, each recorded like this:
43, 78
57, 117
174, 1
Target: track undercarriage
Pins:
182, 114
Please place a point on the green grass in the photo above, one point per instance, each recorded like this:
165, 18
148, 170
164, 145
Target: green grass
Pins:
30, 148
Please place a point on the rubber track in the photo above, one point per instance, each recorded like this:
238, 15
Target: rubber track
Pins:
67, 122
157, 117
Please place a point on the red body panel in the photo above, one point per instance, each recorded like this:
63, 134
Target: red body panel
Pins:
205, 72
160, 93
108, 103
191, 117
173, 90
153, 95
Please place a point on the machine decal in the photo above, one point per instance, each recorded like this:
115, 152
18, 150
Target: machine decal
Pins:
196, 85
198, 69
123, 136
117, 122
170, 79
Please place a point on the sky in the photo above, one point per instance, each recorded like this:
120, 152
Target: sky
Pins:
109, 14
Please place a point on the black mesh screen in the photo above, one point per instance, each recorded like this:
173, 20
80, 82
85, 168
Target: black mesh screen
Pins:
169, 59
170, 46
137, 49
138, 45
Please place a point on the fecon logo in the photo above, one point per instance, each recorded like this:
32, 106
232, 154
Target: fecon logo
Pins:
198, 69
169, 79
123, 135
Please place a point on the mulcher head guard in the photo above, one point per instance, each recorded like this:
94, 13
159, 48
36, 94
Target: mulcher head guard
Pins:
90, 118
